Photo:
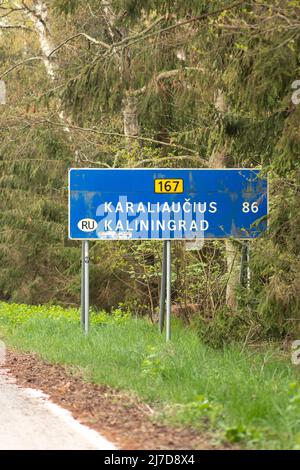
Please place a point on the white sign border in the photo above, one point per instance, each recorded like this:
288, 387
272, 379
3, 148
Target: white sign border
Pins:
161, 239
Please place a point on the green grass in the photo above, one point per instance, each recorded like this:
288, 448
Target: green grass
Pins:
248, 397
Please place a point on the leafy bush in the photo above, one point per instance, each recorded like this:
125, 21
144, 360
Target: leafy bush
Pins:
16, 314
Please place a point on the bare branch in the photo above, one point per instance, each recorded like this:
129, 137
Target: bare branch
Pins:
19, 64
84, 158
173, 73
9, 11
182, 23
15, 26
195, 158
162, 76
119, 134
34, 11
141, 34
89, 38
130, 40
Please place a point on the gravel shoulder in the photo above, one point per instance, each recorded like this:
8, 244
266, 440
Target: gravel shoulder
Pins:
29, 421
121, 418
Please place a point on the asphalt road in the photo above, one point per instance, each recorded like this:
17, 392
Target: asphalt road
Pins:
28, 420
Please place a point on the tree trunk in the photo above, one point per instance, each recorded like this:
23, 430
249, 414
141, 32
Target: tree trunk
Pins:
40, 19
130, 100
233, 258
130, 116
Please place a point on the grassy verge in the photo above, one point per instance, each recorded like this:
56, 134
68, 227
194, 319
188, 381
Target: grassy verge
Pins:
248, 397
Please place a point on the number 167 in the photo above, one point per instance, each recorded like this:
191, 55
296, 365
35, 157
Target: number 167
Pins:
168, 186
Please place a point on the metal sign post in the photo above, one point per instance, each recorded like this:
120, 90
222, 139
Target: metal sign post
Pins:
165, 291
245, 273
85, 301
168, 290
164, 204
248, 265
162, 303
82, 288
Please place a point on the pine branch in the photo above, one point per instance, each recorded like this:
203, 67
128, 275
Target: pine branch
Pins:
130, 40
179, 24
195, 158
139, 35
119, 134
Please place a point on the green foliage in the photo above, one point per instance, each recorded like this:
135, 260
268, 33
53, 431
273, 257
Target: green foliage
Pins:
153, 363
33, 210
135, 8
18, 314
219, 85
223, 328
294, 402
240, 433
250, 398
66, 6
200, 412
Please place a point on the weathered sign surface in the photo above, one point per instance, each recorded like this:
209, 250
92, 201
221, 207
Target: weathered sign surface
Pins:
149, 204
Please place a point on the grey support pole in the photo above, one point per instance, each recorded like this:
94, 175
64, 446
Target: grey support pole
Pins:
248, 266
245, 272
243, 264
168, 290
82, 287
86, 287
162, 304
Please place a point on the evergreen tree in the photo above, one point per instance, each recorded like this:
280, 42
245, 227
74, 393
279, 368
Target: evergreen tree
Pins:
150, 83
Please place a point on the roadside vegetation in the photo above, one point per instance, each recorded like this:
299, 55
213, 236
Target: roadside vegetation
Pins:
248, 397
149, 84
145, 84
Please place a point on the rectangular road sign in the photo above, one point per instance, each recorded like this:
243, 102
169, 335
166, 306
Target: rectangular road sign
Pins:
164, 204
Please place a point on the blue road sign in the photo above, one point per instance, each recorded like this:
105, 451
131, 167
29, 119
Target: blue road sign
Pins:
163, 204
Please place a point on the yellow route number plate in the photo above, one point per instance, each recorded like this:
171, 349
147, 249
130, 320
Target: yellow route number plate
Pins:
170, 186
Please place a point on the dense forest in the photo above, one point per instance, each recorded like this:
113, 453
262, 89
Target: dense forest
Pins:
137, 84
